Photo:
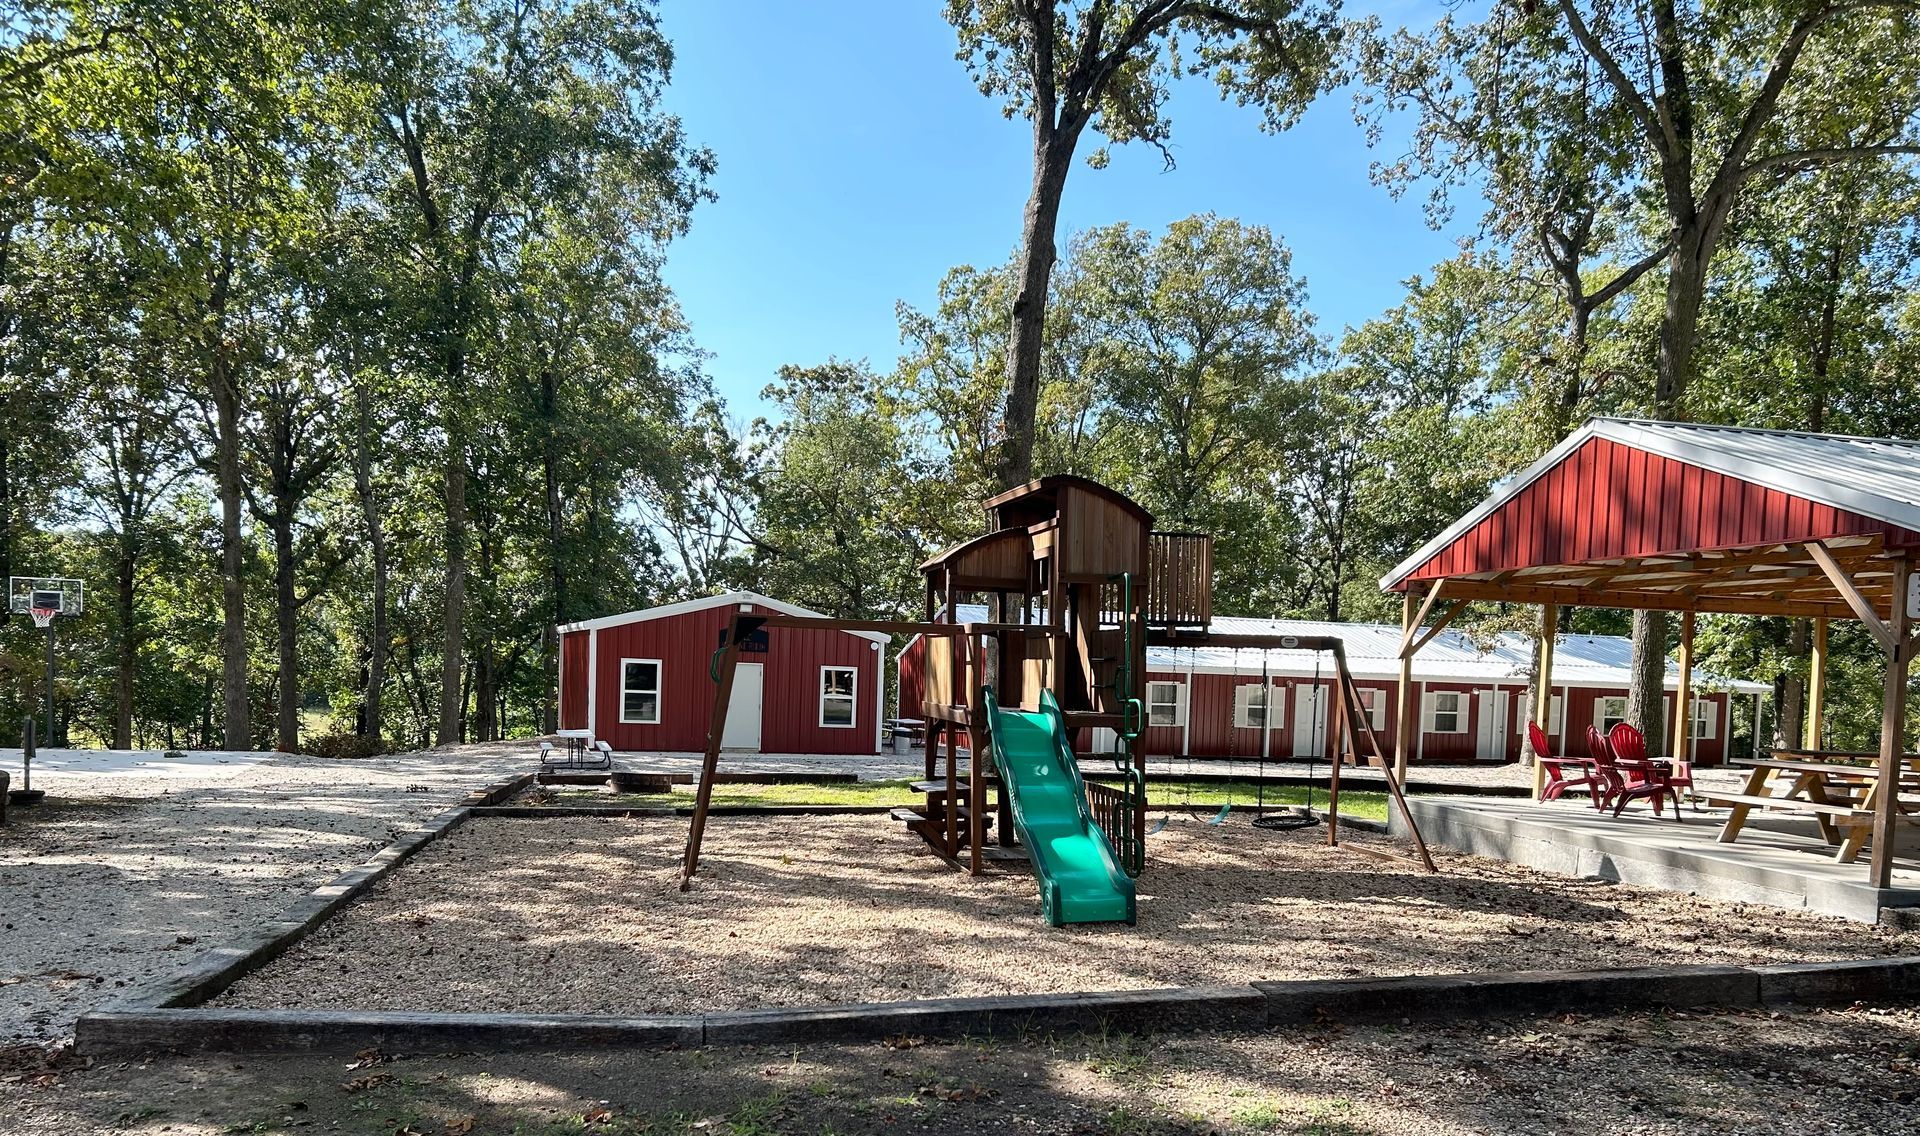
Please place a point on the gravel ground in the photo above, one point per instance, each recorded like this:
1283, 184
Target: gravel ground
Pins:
582, 915
1843, 1073
134, 862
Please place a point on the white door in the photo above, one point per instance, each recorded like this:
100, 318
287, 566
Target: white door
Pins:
1490, 743
1309, 721
743, 709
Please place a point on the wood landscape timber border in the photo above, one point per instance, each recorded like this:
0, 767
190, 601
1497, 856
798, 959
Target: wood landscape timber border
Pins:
170, 1016
133, 1031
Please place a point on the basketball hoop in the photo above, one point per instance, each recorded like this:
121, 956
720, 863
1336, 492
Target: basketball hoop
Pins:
43, 616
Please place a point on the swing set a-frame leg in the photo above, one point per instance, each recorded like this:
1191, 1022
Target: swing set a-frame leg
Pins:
725, 666
1351, 710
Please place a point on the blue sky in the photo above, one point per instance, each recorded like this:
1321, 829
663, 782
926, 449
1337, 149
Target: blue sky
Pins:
857, 164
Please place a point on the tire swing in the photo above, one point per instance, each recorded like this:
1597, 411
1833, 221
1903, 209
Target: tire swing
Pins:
1293, 816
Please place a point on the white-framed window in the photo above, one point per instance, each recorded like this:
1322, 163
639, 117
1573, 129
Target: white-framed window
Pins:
1706, 719
640, 691
1609, 712
1375, 702
1166, 704
1250, 701
1556, 714
838, 686
1446, 712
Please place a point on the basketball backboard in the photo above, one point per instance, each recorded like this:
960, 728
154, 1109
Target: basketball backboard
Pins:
25, 593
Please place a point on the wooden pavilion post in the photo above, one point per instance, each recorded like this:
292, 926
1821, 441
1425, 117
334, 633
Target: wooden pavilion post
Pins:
1414, 634
1683, 695
1816, 688
1900, 646
1543, 691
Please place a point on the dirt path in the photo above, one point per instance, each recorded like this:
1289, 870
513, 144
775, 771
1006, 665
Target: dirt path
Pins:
1846, 1073
130, 867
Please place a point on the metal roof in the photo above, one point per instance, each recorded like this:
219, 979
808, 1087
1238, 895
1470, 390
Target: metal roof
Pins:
703, 603
1875, 477
1373, 652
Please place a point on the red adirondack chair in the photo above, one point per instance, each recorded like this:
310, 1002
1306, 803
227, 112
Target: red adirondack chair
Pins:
1558, 781
1649, 779
1612, 782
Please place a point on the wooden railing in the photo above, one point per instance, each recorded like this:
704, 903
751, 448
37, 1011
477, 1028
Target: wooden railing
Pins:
1109, 806
1179, 579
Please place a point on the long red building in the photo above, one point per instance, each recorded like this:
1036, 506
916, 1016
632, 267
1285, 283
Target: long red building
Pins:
1205, 702
641, 681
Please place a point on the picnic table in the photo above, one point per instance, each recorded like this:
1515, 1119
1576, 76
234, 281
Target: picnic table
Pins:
1837, 788
581, 752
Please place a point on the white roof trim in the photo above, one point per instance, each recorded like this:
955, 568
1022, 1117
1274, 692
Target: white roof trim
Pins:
667, 611
1689, 443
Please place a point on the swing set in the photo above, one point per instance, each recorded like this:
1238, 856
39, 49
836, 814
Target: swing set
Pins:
1356, 742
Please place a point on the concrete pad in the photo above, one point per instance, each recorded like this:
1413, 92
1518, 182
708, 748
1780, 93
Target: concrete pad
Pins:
1774, 862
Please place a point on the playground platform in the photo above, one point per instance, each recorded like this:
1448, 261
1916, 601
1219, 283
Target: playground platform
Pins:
1778, 861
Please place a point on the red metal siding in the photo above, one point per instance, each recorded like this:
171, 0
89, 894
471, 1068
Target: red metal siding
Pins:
1449, 747
913, 676
1606, 500
573, 680
790, 707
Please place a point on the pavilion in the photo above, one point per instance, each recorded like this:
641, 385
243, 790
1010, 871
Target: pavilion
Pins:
1692, 518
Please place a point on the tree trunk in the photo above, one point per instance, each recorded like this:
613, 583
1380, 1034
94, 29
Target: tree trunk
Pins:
1646, 693
1573, 383
453, 622
287, 617
128, 647
370, 709
1787, 724
1680, 323
556, 563
6, 505
1052, 158
237, 732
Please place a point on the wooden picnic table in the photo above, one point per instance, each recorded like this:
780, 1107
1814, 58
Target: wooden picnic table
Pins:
1827, 785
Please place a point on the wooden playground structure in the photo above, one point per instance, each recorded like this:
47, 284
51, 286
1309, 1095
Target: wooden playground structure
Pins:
1079, 585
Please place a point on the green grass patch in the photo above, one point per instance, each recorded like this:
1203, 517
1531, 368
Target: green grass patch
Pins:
1161, 795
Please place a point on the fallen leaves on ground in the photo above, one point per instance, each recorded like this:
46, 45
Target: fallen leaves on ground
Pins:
969, 1092
362, 1084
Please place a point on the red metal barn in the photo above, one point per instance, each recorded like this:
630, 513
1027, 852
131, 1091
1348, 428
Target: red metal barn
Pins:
641, 681
1203, 702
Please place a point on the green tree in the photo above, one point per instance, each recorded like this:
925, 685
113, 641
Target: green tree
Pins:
1108, 65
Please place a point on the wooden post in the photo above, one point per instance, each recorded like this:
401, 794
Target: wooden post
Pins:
1683, 696
1543, 691
1405, 713
716, 728
1893, 725
1816, 688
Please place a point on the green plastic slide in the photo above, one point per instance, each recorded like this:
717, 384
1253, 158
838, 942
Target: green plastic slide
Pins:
1080, 877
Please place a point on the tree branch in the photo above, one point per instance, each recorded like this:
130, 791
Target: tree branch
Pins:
1616, 77
1808, 158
